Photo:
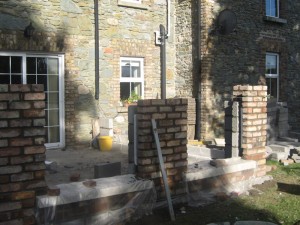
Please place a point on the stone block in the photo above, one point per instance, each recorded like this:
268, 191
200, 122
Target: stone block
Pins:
107, 170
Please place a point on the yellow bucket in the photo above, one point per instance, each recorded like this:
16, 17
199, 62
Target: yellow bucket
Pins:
105, 143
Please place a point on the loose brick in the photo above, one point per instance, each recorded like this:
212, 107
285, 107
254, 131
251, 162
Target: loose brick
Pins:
10, 187
20, 105
34, 150
181, 122
16, 142
3, 124
39, 158
10, 206
39, 174
34, 96
21, 177
20, 123
10, 169
39, 140
35, 166
9, 114
3, 161
9, 133
9, 151
20, 88
9, 97
3, 87
30, 132
37, 87
39, 122
39, 105
28, 185
4, 179
22, 195
21, 159
30, 113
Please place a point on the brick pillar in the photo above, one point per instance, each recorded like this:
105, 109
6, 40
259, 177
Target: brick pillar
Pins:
171, 120
254, 124
22, 152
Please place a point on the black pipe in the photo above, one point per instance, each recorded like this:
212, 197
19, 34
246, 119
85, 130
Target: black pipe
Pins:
163, 60
198, 80
96, 12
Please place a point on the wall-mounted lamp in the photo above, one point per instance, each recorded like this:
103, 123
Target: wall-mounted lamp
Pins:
28, 32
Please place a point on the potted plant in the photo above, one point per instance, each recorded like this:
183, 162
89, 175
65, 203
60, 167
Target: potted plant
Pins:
131, 100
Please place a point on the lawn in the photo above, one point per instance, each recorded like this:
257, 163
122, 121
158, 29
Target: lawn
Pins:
276, 201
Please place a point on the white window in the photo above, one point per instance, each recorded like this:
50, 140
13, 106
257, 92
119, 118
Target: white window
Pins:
133, 1
131, 77
21, 68
272, 8
272, 74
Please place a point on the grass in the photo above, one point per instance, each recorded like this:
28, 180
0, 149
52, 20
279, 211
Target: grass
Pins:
276, 201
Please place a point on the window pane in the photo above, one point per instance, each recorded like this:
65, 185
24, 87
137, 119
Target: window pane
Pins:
16, 64
271, 64
42, 79
136, 69
16, 79
4, 79
53, 134
4, 64
53, 82
125, 90
53, 100
41, 65
272, 87
31, 65
137, 88
53, 117
31, 79
52, 66
272, 8
125, 68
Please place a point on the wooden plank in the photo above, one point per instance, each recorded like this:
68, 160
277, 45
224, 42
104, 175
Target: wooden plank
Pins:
163, 171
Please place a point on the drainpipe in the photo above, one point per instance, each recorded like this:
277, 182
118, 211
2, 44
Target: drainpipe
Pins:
163, 37
96, 12
198, 80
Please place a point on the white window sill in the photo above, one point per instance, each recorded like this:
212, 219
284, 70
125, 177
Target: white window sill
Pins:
275, 19
132, 5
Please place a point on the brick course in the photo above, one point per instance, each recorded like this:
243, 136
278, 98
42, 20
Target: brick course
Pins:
21, 155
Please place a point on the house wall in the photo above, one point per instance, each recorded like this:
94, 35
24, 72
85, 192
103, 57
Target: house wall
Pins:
239, 57
67, 27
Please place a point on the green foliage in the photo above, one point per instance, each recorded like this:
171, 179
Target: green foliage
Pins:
134, 97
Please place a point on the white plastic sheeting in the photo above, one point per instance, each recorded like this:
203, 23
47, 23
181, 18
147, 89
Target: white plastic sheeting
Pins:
128, 198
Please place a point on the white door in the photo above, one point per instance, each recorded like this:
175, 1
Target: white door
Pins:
40, 69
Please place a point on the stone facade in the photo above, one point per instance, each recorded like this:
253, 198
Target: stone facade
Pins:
22, 152
201, 63
239, 57
67, 27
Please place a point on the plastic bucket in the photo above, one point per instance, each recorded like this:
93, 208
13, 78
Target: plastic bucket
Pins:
105, 143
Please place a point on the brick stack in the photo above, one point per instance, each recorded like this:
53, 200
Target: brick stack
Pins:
254, 134
22, 152
191, 111
171, 119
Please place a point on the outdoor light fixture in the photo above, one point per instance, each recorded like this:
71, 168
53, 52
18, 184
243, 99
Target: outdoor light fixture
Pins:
28, 32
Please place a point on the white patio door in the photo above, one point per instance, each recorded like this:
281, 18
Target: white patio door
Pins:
40, 69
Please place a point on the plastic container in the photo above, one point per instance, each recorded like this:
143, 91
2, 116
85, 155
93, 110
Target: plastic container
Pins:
105, 143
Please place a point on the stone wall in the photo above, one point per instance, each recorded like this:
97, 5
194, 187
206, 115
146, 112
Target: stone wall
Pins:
22, 152
67, 27
171, 119
239, 57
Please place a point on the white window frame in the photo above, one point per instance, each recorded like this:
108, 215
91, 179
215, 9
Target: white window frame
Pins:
274, 76
268, 13
133, 1
133, 79
60, 58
